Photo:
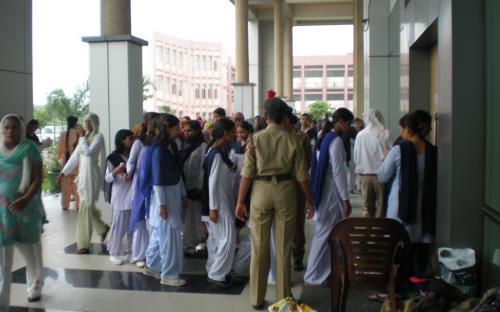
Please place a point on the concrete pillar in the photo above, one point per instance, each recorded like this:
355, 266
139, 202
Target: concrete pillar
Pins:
16, 78
241, 8
358, 58
116, 82
288, 60
243, 90
115, 17
278, 47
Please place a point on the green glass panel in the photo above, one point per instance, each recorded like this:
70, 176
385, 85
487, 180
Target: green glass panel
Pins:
491, 254
492, 169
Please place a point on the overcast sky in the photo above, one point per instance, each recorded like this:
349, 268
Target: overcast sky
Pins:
60, 58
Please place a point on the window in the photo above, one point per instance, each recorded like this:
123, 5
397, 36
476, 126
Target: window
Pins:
313, 97
314, 67
167, 84
203, 92
335, 73
216, 92
166, 56
297, 67
216, 63
350, 73
159, 53
335, 67
313, 73
180, 59
173, 57
313, 90
335, 97
297, 97
209, 91
197, 91
159, 84
297, 74
210, 63
203, 62
350, 96
174, 86
179, 89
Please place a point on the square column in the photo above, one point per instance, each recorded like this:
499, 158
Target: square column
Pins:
16, 78
244, 98
116, 82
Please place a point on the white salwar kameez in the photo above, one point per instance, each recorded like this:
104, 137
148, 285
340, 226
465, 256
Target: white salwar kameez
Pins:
221, 243
90, 157
193, 174
120, 205
330, 211
140, 237
165, 254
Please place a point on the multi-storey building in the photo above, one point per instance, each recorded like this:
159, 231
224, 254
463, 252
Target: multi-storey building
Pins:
323, 78
191, 77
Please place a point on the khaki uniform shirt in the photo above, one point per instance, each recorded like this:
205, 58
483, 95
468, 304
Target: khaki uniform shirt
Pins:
275, 151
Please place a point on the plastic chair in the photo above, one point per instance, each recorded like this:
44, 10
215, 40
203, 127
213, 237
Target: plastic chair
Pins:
370, 252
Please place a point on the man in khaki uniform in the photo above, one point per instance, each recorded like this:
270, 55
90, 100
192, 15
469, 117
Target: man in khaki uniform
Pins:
274, 160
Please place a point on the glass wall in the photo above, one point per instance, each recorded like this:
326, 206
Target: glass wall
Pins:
491, 209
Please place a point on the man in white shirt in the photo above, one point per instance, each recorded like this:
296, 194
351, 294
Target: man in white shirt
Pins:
369, 151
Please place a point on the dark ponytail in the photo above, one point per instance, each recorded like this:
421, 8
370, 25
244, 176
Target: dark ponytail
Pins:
70, 124
222, 126
424, 123
325, 129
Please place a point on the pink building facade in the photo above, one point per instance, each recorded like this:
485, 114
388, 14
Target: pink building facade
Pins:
192, 78
326, 78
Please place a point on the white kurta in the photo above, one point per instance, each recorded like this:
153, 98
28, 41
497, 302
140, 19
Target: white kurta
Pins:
329, 212
221, 243
193, 174
120, 205
90, 156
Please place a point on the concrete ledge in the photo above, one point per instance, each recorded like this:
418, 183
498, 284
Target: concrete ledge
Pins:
115, 38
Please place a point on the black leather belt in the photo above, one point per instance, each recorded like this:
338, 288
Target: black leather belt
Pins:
277, 178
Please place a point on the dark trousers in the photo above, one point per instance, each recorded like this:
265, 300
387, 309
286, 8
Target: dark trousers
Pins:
299, 239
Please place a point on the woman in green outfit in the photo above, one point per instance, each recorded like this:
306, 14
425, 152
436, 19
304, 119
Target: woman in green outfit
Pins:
21, 213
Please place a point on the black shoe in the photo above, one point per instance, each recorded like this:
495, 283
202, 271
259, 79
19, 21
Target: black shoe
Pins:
298, 266
218, 284
259, 306
234, 277
34, 299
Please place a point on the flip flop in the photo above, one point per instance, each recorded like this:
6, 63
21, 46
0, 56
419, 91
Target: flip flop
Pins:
380, 297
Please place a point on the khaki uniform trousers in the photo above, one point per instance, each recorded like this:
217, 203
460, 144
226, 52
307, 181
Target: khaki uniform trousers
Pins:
271, 202
373, 195
88, 217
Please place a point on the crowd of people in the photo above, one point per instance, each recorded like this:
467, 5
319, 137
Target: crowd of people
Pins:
241, 188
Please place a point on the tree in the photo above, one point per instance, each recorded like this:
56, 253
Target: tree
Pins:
165, 109
146, 88
41, 114
58, 106
318, 109
80, 100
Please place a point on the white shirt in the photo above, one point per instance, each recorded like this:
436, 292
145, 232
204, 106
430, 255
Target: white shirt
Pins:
368, 152
120, 194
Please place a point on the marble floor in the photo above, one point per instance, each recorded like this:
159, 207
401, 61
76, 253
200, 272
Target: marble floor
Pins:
91, 283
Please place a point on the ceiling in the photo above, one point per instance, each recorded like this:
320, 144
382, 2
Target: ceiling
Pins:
305, 12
